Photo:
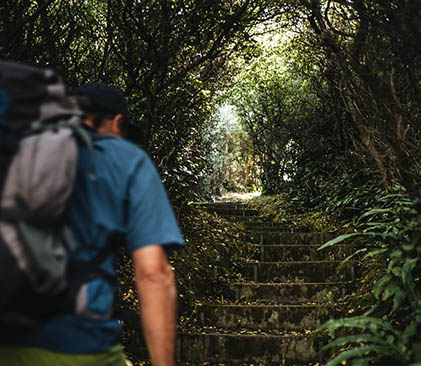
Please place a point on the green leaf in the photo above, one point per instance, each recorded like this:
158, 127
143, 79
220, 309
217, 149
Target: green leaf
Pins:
377, 290
407, 269
389, 236
362, 250
375, 211
391, 265
408, 247
358, 338
390, 290
397, 253
396, 271
339, 239
372, 309
375, 252
394, 195
409, 332
360, 352
361, 322
400, 296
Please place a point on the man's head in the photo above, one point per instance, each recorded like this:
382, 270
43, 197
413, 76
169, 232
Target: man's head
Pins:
104, 106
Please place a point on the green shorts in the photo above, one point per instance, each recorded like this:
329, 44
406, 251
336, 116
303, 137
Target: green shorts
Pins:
25, 356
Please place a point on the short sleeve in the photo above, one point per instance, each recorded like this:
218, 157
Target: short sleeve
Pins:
150, 217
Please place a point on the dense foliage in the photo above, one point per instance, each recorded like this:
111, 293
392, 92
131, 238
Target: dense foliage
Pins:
285, 213
339, 93
169, 57
333, 109
203, 269
331, 106
387, 330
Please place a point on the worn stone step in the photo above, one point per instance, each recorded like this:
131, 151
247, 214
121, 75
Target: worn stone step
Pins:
263, 226
290, 293
248, 219
207, 363
256, 231
222, 205
265, 317
228, 212
265, 223
189, 347
283, 237
237, 348
304, 252
306, 271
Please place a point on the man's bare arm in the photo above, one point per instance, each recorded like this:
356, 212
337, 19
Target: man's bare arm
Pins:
157, 297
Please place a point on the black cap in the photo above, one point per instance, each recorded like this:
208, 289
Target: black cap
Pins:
102, 98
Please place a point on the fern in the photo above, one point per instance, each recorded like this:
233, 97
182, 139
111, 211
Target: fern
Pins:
369, 339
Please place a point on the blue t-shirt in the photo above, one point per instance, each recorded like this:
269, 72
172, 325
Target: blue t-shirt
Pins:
127, 196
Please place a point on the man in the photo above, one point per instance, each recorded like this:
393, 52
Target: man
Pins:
124, 194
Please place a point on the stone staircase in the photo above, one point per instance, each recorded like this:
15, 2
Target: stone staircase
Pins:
289, 289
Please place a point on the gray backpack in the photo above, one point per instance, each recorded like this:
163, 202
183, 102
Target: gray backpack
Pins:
40, 129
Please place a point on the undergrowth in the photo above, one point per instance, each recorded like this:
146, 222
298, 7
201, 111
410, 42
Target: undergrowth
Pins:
281, 210
203, 268
387, 327
211, 256
381, 320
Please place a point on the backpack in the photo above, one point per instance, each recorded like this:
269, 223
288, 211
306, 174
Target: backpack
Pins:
40, 134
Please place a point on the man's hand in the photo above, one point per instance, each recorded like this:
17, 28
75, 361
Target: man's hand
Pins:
157, 297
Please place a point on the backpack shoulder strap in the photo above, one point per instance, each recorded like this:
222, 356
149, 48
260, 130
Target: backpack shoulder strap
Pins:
115, 241
87, 270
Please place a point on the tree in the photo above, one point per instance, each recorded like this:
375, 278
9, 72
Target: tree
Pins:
371, 67
168, 56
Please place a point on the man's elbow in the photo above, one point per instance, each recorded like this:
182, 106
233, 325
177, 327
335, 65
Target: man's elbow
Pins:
152, 270
157, 286
156, 275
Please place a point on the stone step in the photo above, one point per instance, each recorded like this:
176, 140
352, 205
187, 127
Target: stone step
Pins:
305, 252
190, 344
239, 348
265, 317
291, 271
290, 293
207, 363
263, 226
226, 212
248, 219
222, 205
282, 237
272, 228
